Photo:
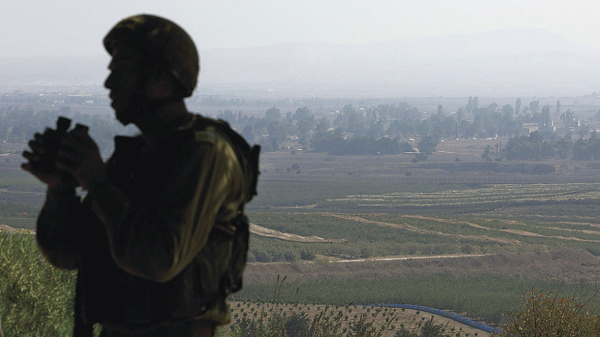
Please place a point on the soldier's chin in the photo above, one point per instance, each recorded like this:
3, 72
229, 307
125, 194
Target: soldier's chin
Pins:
124, 117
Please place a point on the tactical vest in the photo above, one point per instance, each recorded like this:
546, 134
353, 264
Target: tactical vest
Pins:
120, 301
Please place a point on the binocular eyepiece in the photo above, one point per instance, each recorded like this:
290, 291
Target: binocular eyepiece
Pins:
63, 124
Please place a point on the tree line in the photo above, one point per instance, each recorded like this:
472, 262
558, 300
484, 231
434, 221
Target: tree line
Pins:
386, 128
380, 129
538, 146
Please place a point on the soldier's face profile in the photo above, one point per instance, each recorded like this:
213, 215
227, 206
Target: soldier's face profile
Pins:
124, 82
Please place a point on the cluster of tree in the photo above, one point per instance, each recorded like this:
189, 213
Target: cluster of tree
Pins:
535, 147
569, 119
333, 143
587, 149
353, 132
386, 127
351, 135
488, 121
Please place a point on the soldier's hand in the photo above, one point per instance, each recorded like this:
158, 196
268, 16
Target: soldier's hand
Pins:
79, 155
54, 178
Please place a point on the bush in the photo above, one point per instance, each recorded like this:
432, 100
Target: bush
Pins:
307, 255
291, 256
36, 299
549, 315
277, 256
261, 256
366, 252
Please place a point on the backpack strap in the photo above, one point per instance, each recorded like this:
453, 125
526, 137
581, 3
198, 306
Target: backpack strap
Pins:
237, 230
247, 156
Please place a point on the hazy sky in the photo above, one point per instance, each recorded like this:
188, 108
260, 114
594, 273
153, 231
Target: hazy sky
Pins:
76, 27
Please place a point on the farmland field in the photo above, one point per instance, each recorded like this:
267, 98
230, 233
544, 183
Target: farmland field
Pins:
361, 230
542, 232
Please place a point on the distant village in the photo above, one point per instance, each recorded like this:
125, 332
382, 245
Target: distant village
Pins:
56, 98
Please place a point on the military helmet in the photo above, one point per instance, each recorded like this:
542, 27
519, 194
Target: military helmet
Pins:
162, 42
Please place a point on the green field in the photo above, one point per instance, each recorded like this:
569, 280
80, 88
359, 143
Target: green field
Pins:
428, 219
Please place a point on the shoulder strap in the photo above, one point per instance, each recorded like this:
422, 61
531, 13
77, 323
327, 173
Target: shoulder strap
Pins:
247, 156
237, 230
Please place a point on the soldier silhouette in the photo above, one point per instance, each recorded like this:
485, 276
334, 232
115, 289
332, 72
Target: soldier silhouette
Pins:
160, 240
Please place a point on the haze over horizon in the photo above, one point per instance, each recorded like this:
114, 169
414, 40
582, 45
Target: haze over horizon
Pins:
354, 47
507, 62
70, 27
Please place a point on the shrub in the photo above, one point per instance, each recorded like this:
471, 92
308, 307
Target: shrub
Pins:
36, 299
291, 256
276, 256
549, 315
262, 256
366, 252
307, 255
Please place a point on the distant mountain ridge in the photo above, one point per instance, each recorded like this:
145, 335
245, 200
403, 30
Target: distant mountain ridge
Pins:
508, 62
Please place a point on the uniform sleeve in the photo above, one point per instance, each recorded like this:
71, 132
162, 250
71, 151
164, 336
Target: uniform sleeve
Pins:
157, 242
58, 234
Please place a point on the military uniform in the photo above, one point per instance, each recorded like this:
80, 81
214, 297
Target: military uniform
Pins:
151, 245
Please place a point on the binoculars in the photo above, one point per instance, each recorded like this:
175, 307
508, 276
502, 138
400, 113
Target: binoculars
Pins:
52, 140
